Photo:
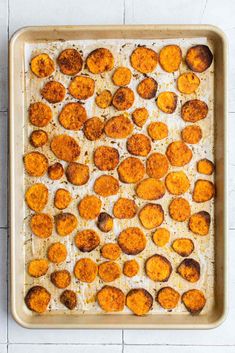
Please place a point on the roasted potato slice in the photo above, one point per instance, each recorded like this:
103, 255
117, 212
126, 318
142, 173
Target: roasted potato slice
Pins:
191, 134
158, 268
82, 87
77, 173
111, 299
157, 165
131, 170
150, 189
183, 246
100, 60
170, 58
87, 240
194, 301
199, 223
70, 62
62, 199
93, 128
131, 268
139, 301
179, 209
53, 92
161, 237
37, 299
204, 190
106, 185
151, 216
177, 183
205, 166
144, 60
157, 130
118, 127
138, 145
40, 114
168, 298
122, 76
188, 83
124, 208
105, 222
69, 299
189, 269
132, 241
178, 153
111, 251
199, 58
89, 207
41, 224
72, 116
104, 99
55, 171
57, 253
85, 270
140, 116
38, 267
61, 279
109, 271
167, 102
35, 163
42, 65
123, 98
65, 147
65, 223
147, 88
106, 158
36, 197
38, 138
194, 110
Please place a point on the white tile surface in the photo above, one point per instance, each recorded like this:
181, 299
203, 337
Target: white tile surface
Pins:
3, 348
3, 53
3, 286
29, 348
3, 169
179, 349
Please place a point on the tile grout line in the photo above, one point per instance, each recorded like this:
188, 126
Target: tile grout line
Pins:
8, 32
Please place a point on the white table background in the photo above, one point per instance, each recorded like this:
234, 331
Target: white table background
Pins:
17, 13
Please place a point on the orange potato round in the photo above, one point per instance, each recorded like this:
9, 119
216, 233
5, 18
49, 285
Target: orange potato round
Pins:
93, 128
140, 116
199, 58
138, 145
204, 190
111, 299
65, 223
100, 60
170, 58
194, 110
61, 279
106, 158
124, 208
85, 270
72, 116
82, 87
55, 171
111, 251
183, 246
37, 299
36, 197
53, 92
150, 189
89, 207
38, 267
104, 99
38, 138
41, 224
70, 61
57, 253
194, 301
122, 76
123, 98
151, 216
131, 170
118, 127
205, 166
132, 241
131, 268
69, 299
109, 271
189, 269
144, 60
40, 114
147, 88
139, 301
77, 173
86, 240
178, 153
161, 237
35, 163
188, 83
62, 199
105, 222
179, 209
158, 268
157, 130
191, 134
168, 298
65, 147
177, 183
106, 185
42, 65
167, 102
157, 165
199, 223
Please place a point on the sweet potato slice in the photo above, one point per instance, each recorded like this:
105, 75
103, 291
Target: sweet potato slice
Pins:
131, 170
204, 190
86, 240
38, 138
188, 83
151, 216
106, 185
122, 76
57, 253
65, 147
158, 268
132, 241
199, 223
36, 197
140, 116
70, 61
150, 189
105, 222
85, 270
118, 127
183, 246
35, 164
106, 158
104, 99
168, 298
38, 267
69, 299
123, 98
157, 165
199, 58
194, 110
111, 251
131, 268
161, 237
42, 65
167, 102
147, 88
179, 209
157, 130
194, 301
41, 224
77, 173
40, 114
109, 271
177, 183
37, 299
53, 92
124, 208
61, 279
93, 128
65, 223
138, 145
55, 171
144, 60
170, 58
89, 207
82, 87
189, 269
62, 199
178, 153
205, 166
111, 299
72, 116
191, 134
139, 301
100, 60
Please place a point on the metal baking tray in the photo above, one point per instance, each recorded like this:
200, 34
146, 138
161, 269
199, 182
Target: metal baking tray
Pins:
17, 112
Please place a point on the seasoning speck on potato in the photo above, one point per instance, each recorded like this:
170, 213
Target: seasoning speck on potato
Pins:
161, 237
118, 127
85, 270
41, 224
150, 189
72, 116
131, 170
199, 58
124, 208
53, 92
111, 251
194, 301
205, 166
158, 268
89, 207
183, 246
123, 98
191, 134
65, 147
194, 110
157, 130
139, 301
86, 240
132, 241
111, 299
204, 190
106, 185
77, 173
93, 128
168, 298
55, 171
109, 271
35, 163
69, 299
167, 102
65, 223
131, 268
57, 253
42, 65
38, 138
62, 199
179, 209
199, 223
188, 83
147, 88
151, 216
105, 222
106, 158
61, 279
178, 153
37, 299
36, 197
170, 58
189, 269
157, 165
122, 76
70, 61
140, 116
100, 60
138, 145
177, 183
144, 60
82, 87
38, 267
40, 114
104, 99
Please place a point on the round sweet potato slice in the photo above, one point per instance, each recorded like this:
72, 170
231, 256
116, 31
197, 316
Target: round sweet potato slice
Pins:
188, 83
109, 271
168, 298
62, 199
140, 116
157, 130
194, 301
69, 299
183, 246
124, 208
72, 116
85, 270
131, 170
55, 171
111, 251
161, 237
35, 163
37, 299
70, 61
123, 98
40, 114
178, 153
144, 60
93, 128
132, 241
36, 197
65, 147
42, 65
89, 207
138, 145
106, 185
122, 76
139, 301
131, 268
100, 60
38, 138
106, 158
41, 224
53, 92
61, 279
170, 58
204, 190
86, 240
147, 88
179, 209
104, 99
150, 189
65, 223
157, 165
177, 183
38, 267
105, 222
82, 87
189, 269
151, 216
111, 299
199, 58
57, 253
77, 173
158, 268
205, 166
199, 223
191, 134
167, 102
118, 127
194, 110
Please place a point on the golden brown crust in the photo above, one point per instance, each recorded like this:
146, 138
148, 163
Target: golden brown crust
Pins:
158, 268
40, 114
82, 87
131, 170
110, 251
93, 128
62, 199
104, 99
191, 134
118, 127
132, 241
106, 185
61, 279
140, 116
65, 223
105, 222
122, 76
199, 58
38, 138
89, 207
139, 301
35, 163
36, 197
199, 223
157, 165
57, 253
138, 145
55, 171
72, 116
131, 268
183, 246
123, 98
168, 298
85, 270
77, 173
194, 301
179, 209
170, 58
144, 60
189, 269
177, 183
150, 189
38, 267
53, 92
106, 158
124, 208
42, 65
70, 61
151, 216
41, 224
100, 60
194, 110
205, 166
167, 102
157, 130
178, 153
109, 271
111, 299
37, 299
86, 240
188, 83
204, 190
161, 237
147, 88
65, 147
69, 299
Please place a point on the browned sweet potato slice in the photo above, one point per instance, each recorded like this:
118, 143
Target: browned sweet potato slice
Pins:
191, 134
118, 127
203, 190
38, 267
140, 116
167, 102
132, 241
199, 58
69, 299
55, 171
65, 147
150, 189
158, 268
72, 116
82, 87
157, 165
168, 298
106, 158
144, 60
86, 240
53, 92
111, 251
179, 209
100, 60
85, 270
131, 268
170, 58
199, 223
178, 153
177, 183
109, 271
194, 301
147, 88
122, 76
151, 216
157, 130
37, 299
111, 299
36, 197
93, 128
42, 65
104, 99
61, 279
77, 173
65, 223
139, 301
40, 114
57, 253
89, 207
62, 199
123, 98
189, 269
188, 83
138, 145
106, 185
70, 61
194, 110
105, 222
183, 246
131, 170
161, 237
38, 138
205, 166
41, 225
124, 208
35, 163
